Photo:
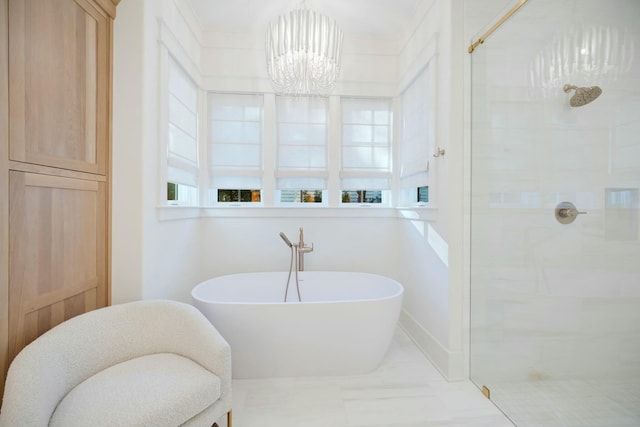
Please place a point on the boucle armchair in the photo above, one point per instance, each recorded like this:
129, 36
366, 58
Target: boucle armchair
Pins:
145, 363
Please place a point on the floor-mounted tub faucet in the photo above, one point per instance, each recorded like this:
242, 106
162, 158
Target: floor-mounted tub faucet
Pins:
302, 249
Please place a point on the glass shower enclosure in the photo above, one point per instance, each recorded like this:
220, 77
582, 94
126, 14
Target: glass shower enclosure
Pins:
555, 214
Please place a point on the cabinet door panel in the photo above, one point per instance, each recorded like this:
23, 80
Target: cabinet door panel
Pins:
59, 72
57, 250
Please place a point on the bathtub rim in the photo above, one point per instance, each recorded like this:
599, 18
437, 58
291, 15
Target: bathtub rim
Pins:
399, 291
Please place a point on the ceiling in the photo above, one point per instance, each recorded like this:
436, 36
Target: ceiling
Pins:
377, 19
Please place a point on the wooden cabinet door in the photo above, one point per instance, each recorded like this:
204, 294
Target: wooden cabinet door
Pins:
59, 68
57, 245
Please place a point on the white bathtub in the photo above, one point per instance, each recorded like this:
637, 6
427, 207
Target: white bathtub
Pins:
343, 326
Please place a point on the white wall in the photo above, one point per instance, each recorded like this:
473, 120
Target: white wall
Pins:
237, 62
234, 245
127, 157
432, 240
155, 256
150, 258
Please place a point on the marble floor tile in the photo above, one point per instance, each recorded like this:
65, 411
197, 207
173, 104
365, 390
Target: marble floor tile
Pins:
405, 391
570, 403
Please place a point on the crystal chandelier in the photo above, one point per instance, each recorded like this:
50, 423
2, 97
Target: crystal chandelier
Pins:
303, 53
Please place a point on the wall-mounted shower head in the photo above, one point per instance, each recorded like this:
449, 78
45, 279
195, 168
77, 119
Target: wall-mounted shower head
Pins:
287, 241
583, 95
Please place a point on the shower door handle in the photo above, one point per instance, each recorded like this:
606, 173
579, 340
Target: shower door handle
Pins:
566, 212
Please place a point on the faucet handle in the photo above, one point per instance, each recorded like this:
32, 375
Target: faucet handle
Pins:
305, 248
566, 212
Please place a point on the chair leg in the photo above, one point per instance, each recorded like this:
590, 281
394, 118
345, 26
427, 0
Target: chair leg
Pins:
229, 420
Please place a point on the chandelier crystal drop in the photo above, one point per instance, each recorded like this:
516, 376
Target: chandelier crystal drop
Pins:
303, 50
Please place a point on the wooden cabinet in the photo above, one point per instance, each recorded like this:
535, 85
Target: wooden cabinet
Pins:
59, 92
57, 242
55, 130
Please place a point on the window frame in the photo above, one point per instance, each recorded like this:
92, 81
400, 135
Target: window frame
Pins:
414, 173
331, 174
371, 172
238, 171
167, 62
303, 178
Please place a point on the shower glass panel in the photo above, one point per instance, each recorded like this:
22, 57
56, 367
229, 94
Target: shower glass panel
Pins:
555, 291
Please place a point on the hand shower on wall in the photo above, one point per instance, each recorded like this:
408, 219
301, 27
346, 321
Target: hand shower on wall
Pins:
583, 95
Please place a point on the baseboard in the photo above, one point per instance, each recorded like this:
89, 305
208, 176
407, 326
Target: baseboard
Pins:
449, 363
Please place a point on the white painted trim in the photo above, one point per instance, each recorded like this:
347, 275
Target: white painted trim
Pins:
177, 212
449, 363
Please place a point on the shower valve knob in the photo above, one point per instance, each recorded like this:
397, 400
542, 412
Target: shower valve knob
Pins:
566, 212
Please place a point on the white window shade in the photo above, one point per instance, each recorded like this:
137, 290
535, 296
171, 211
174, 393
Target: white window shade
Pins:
235, 141
365, 183
182, 147
366, 144
306, 181
302, 143
417, 129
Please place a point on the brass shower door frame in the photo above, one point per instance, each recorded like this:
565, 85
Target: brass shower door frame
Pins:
495, 26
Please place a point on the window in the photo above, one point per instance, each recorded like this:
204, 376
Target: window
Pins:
223, 160
182, 147
366, 150
423, 194
301, 196
417, 134
235, 148
362, 196
181, 194
301, 158
238, 196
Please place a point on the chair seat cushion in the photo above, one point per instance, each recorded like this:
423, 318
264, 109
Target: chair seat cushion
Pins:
156, 390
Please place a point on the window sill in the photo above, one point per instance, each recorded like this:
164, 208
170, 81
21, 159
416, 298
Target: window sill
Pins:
420, 213
168, 213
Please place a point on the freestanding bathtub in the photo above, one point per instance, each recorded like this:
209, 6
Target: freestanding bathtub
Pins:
343, 326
